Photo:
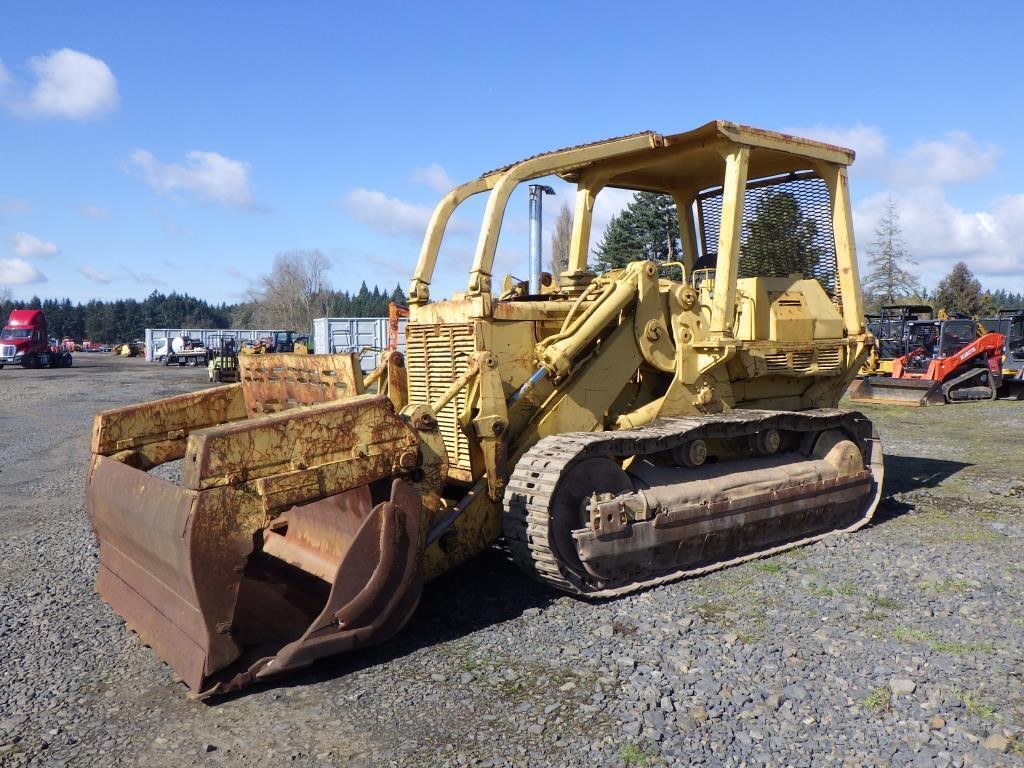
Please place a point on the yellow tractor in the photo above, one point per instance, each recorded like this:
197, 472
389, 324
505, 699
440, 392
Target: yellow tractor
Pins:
630, 428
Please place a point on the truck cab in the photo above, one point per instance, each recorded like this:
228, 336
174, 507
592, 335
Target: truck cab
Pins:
24, 341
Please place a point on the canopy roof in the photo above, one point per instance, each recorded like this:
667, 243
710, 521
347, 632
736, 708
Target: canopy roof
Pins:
681, 161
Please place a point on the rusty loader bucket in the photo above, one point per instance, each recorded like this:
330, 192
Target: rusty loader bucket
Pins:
249, 529
886, 390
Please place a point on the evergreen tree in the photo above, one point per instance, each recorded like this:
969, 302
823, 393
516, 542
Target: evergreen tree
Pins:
959, 293
778, 240
646, 229
888, 278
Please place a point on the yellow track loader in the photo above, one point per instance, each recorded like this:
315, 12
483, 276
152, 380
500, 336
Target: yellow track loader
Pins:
657, 421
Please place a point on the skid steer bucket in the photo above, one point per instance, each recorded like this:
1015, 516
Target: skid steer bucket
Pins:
293, 533
886, 390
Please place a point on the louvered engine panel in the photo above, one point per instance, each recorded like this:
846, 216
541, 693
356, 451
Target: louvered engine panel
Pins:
435, 356
824, 360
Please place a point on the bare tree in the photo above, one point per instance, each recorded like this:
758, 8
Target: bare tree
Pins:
294, 293
5, 296
889, 278
560, 240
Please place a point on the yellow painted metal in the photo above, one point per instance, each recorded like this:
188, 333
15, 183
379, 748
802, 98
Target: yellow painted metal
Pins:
485, 379
279, 381
586, 195
542, 165
846, 253
153, 433
419, 289
733, 188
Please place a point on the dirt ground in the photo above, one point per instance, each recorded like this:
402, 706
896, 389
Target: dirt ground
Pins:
79, 689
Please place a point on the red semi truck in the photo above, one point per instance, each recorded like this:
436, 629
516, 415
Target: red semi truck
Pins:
23, 341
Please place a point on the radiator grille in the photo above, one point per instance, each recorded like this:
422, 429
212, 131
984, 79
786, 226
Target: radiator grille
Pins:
435, 356
7, 350
806, 362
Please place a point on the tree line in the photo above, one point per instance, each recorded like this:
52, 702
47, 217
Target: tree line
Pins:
122, 320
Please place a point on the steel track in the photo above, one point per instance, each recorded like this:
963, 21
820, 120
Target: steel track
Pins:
531, 488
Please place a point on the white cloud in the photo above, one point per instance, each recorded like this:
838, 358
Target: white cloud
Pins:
19, 272
938, 234
388, 215
95, 275
25, 244
951, 158
609, 202
67, 84
434, 176
954, 157
94, 211
209, 176
866, 140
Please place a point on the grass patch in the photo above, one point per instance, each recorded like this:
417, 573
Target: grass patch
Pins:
753, 629
847, 588
800, 553
632, 755
974, 705
878, 699
955, 647
886, 603
959, 649
944, 586
770, 567
821, 590
906, 633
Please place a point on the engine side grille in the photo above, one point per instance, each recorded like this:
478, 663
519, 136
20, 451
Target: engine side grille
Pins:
435, 356
827, 360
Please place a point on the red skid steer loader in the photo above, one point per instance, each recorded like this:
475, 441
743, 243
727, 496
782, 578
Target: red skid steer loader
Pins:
950, 361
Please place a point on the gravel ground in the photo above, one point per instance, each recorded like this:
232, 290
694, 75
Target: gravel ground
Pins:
899, 645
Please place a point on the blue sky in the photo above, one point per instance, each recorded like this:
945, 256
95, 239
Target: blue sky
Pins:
180, 146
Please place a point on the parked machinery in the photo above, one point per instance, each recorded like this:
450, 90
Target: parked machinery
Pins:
890, 330
630, 429
1010, 323
223, 365
950, 360
289, 341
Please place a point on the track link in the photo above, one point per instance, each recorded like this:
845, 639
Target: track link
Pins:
531, 488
